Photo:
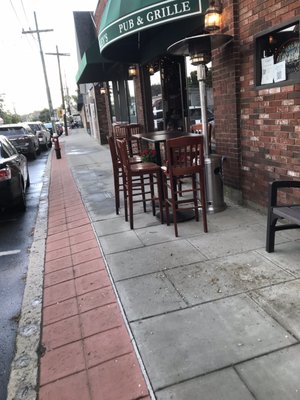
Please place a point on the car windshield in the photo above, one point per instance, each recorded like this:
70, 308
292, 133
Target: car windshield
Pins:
35, 127
12, 131
195, 114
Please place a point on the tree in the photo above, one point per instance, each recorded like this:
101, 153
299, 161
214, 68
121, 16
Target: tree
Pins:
44, 115
156, 89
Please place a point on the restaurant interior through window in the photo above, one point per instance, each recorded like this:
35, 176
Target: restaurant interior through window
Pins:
175, 94
277, 55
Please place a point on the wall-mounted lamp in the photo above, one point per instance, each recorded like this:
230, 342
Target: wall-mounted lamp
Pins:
212, 20
151, 70
132, 71
102, 90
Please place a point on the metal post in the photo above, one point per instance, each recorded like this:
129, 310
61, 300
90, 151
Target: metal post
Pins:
58, 54
213, 162
201, 76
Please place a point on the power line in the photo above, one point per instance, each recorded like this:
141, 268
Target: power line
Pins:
15, 12
24, 11
19, 20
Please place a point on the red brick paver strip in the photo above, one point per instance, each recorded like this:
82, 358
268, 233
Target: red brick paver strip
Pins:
88, 351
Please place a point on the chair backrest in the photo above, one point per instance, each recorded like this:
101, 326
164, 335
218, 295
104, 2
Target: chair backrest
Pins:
123, 154
196, 128
134, 129
120, 131
185, 155
113, 153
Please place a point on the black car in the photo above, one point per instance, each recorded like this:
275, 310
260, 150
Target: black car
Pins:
195, 115
23, 138
14, 177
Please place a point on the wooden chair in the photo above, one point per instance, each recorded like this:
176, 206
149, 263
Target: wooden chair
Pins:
129, 132
149, 174
196, 128
185, 159
117, 170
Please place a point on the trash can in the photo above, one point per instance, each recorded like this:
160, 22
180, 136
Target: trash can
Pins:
214, 183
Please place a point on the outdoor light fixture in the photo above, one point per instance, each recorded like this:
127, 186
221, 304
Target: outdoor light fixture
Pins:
212, 20
151, 70
132, 71
102, 90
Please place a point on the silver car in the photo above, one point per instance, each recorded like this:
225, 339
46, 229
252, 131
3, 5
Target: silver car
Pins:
23, 138
42, 133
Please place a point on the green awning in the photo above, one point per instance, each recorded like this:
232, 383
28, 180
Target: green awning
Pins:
95, 68
140, 30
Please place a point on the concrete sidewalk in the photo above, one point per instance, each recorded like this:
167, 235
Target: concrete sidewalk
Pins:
209, 316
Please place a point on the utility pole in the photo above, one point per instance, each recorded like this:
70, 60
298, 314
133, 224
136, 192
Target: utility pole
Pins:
58, 54
38, 31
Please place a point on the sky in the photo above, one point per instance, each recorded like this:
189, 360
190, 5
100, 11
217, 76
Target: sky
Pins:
22, 82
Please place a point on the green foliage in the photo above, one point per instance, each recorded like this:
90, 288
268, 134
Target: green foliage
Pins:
192, 80
44, 115
155, 90
9, 118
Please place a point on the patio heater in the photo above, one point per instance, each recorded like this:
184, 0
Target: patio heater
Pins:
199, 49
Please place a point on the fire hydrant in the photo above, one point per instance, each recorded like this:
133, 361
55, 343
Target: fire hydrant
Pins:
56, 146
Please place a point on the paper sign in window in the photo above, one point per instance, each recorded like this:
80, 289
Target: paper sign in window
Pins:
267, 70
280, 72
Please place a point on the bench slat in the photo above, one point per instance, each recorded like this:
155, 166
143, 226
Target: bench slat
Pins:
290, 213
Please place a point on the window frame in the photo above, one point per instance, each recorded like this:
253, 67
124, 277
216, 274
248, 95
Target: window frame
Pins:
258, 40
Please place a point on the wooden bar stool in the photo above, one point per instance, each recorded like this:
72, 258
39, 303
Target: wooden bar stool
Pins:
150, 177
185, 159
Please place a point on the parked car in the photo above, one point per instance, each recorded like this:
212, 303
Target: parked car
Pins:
158, 118
48, 125
42, 133
14, 176
23, 138
195, 115
58, 126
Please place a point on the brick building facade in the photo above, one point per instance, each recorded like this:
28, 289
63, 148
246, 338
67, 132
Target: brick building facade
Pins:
257, 126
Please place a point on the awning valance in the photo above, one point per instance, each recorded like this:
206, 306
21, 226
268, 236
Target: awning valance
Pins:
140, 30
95, 68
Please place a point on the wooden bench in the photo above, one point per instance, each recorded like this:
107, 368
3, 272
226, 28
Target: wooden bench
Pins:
290, 213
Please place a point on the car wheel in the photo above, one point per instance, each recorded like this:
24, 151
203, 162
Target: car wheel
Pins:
38, 150
45, 146
22, 200
28, 179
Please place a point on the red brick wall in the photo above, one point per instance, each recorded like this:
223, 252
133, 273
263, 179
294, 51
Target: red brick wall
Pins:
103, 113
257, 129
226, 89
98, 13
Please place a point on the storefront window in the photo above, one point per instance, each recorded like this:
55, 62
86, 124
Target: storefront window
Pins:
277, 55
157, 104
193, 94
131, 102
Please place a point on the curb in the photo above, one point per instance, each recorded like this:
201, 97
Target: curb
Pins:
24, 368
